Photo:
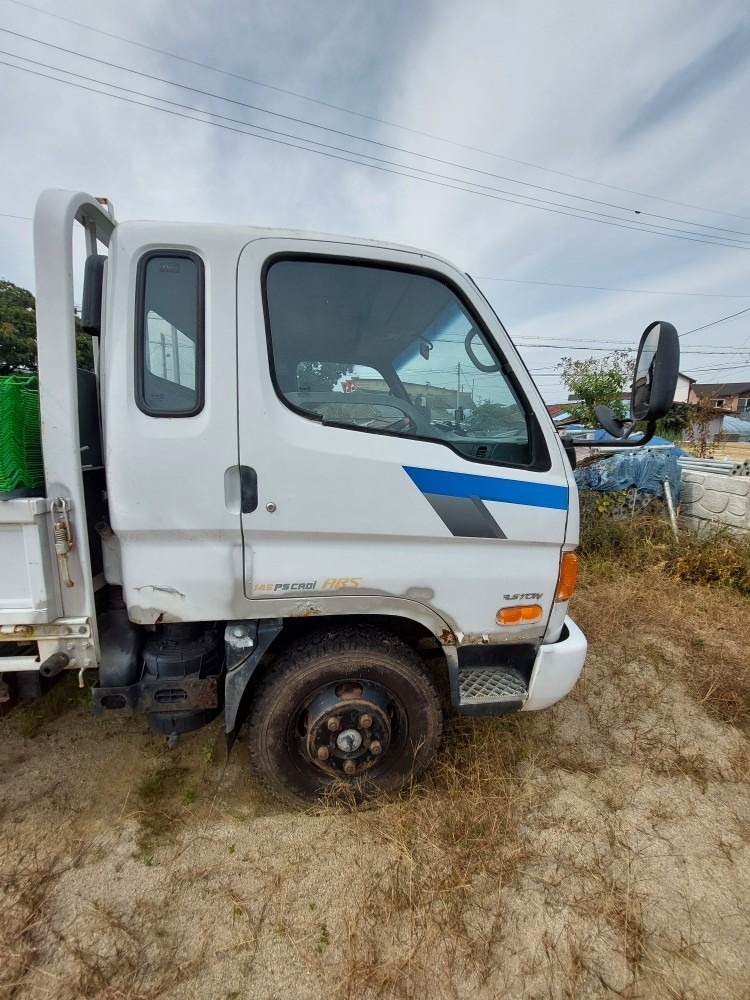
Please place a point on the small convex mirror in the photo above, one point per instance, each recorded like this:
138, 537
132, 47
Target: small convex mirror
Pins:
656, 370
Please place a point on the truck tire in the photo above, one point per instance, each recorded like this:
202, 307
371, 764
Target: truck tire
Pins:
343, 714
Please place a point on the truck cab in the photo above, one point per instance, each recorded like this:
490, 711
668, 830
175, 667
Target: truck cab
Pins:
324, 497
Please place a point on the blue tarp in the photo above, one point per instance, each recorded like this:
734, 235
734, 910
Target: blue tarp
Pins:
646, 470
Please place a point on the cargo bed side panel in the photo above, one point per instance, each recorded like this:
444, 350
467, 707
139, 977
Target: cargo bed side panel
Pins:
29, 589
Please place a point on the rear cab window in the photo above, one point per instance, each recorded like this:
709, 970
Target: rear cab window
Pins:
170, 334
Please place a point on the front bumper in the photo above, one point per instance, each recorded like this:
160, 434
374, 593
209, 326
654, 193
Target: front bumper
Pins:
557, 667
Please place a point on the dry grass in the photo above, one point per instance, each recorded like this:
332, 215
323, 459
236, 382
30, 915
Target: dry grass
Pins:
122, 956
450, 851
697, 632
597, 849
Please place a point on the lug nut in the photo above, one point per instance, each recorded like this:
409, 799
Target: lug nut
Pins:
375, 747
349, 766
323, 753
333, 724
365, 721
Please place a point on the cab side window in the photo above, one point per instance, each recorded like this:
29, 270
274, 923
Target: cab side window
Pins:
170, 335
384, 350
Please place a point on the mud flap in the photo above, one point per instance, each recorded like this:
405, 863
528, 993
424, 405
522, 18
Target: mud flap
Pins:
245, 643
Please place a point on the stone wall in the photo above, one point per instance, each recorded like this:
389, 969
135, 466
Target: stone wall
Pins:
708, 498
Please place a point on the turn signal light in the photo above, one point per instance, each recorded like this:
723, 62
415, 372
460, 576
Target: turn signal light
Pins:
566, 581
527, 614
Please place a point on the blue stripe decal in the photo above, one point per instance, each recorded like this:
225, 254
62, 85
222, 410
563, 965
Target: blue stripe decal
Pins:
459, 484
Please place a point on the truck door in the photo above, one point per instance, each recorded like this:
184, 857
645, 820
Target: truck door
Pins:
394, 441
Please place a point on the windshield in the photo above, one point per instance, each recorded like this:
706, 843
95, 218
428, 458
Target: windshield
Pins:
456, 375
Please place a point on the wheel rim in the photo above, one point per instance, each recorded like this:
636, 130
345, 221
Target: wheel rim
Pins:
349, 729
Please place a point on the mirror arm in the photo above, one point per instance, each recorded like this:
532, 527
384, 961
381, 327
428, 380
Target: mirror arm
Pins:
625, 443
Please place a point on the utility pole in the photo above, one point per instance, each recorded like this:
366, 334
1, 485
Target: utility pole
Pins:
176, 355
458, 385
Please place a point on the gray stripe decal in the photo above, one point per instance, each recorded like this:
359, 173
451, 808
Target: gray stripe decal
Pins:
465, 516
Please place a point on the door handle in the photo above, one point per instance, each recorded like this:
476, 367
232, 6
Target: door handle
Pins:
248, 489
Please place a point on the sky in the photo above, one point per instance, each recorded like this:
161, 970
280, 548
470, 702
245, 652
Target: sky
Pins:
587, 163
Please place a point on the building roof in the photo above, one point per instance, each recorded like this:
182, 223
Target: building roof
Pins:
733, 425
721, 389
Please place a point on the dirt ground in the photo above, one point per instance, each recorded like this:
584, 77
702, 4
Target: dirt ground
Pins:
735, 451
600, 848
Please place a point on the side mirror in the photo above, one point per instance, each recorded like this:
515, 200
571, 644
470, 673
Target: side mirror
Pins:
652, 393
656, 370
93, 285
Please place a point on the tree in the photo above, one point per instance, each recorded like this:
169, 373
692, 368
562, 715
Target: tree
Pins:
18, 333
491, 418
675, 425
699, 418
594, 381
320, 376
17, 329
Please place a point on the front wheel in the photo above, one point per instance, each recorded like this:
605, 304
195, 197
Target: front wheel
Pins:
351, 712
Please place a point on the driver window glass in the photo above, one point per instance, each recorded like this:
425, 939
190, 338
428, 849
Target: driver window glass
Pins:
394, 352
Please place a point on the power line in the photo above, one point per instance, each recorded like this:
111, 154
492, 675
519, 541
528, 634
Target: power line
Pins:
399, 149
7, 215
380, 121
605, 288
609, 350
716, 322
534, 340
459, 185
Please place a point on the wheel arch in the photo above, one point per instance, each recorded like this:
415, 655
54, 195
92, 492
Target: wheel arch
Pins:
436, 655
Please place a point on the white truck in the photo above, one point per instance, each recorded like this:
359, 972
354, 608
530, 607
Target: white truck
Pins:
311, 485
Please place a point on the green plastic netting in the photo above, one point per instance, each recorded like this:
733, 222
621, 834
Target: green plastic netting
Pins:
20, 434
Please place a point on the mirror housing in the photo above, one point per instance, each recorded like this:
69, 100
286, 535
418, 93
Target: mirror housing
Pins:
93, 287
652, 392
656, 370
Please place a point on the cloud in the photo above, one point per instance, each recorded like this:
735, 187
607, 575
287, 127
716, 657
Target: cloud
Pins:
693, 84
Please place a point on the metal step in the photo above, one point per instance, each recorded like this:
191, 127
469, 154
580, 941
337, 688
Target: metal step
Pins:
483, 689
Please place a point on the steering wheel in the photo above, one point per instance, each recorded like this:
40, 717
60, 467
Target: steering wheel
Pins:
405, 424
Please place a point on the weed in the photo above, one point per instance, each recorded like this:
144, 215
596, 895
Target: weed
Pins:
148, 787
324, 939
64, 696
715, 557
188, 796
160, 793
